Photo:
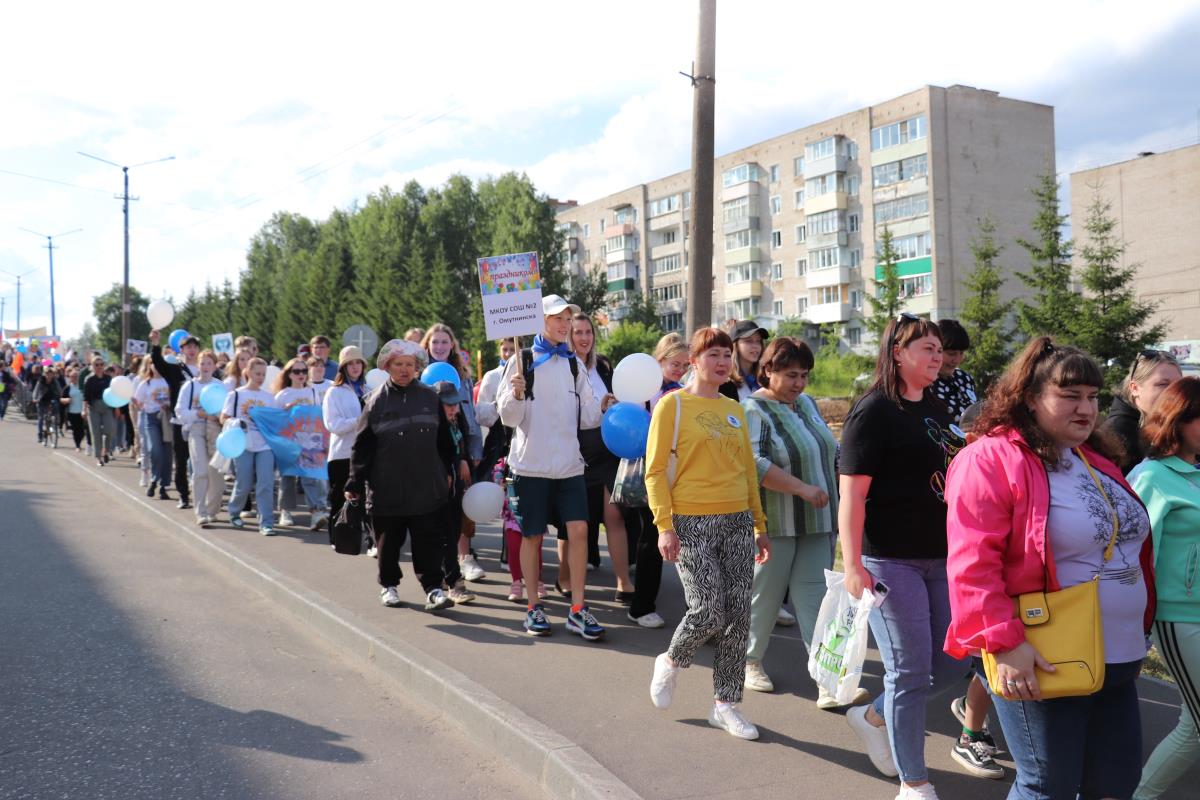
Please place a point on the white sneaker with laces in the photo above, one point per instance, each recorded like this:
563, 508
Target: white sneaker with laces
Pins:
389, 596
471, 569
372, 552
651, 620
728, 717
785, 618
923, 792
662, 683
318, 519
826, 701
285, 519
874, 740
459, 593
757, 678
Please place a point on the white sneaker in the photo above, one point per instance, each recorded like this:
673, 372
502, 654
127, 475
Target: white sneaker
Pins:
436, 600
248, 515
874, 740
923, 792
757, 678
372, 552
728, 717
826, 701
143, 481
390, 597
267, 530
662, 683
203, 521
461, 594
785, 618
651, 620
285, 519
318, 519
471, 569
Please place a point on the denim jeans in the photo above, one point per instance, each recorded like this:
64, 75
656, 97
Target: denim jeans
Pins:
160, 453
910, 628
255, 471
314, 492
1076, 747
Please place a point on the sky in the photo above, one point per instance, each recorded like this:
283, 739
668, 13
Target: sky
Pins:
307, 107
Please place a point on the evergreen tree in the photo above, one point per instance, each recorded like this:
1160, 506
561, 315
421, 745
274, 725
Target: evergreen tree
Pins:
1114, 325
589, 291
1053, 308
983, 313
106, 308
629, 337
643, 309
885, 304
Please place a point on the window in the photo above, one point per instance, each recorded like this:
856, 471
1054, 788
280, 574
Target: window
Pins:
854, 336
855, 257
622, 270
824, 184
909, 130
587, 230
666, 264
735, 210
801, 267
664, 293
801, 233
798, 199
776, 240
739, 174
687, 199
851, 149
671, 322
856, 299
777, 308
852, 223
903, 170
852, 186
916, 205
916, 285
826, 222
917, 245
798, 166
740, 273
663, 205
602, 224
742, 309
827, 294
668, 237
774, 169
776, 204
736, 241
801, 306
628, 214
603, 250
777, 271
620, 243
825, 258
821, 149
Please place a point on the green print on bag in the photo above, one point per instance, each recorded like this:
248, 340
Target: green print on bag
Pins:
831, 651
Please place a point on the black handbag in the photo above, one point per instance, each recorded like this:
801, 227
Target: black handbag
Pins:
350, 529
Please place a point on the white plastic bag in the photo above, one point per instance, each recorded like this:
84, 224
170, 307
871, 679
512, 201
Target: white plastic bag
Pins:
840, 641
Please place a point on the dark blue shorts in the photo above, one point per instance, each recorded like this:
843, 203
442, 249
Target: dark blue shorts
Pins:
542, 500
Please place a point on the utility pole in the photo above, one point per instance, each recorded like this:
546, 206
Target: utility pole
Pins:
700, 251
125, 198
50, 246
18, 277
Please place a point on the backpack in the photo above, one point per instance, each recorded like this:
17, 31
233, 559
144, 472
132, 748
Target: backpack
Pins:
528, 373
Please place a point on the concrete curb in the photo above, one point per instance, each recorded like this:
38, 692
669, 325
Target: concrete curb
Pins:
560, 767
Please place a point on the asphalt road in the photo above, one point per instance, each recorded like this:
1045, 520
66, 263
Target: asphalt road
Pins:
132, 669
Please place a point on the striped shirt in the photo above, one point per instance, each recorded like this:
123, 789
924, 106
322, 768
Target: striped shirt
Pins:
797, 440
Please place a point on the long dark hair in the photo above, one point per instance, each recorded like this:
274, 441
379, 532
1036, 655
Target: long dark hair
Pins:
900, 332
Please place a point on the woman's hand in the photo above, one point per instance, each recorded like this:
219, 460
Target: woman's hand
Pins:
762, 544
814, 495
518, 386
154, 336
857, 579
1016, 673
668, 545
607, 402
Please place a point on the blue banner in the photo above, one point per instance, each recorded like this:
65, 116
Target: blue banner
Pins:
297, 437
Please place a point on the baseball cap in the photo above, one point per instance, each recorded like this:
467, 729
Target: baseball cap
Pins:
447, 393
747, 328
554, 304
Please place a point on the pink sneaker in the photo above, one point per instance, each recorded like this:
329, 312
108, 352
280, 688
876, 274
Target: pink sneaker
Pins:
541, 591
516, 593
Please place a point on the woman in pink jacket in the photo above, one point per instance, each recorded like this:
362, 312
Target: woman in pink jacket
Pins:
1024, 515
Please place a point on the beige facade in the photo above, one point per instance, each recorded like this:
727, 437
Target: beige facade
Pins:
797, 216
1156, 202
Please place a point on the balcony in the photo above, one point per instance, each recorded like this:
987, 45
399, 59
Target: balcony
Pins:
668, 249
572, 243
620, 229
902, 189
620, 254
669, 220
824, 166
622, 284
743, 255
825, 202
815, 240
743, 290
824, 313
675, 306
831, 276
741, 224
617, 313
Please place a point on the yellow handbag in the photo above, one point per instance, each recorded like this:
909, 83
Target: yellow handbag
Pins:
1065, 627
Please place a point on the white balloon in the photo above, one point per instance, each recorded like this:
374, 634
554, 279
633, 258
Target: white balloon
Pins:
160, 313
637, 378
272, 373
376, 377
483, 502
122, 387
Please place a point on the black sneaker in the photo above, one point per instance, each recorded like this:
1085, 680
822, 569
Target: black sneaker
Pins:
975, 756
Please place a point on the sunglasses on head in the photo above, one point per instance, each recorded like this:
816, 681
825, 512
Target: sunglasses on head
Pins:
901, 319
1158, 356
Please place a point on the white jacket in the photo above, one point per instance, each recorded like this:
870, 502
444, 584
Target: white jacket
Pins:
340, 410
545, 440
489, 386
187, 403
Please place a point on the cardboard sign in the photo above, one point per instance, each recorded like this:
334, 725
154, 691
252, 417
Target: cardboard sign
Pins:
511, 288
135, 347
223, 343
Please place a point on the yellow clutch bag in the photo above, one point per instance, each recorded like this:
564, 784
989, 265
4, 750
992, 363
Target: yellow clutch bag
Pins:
1066, 628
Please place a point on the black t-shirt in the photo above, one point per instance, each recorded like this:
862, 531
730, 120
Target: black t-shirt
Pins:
906, 452
94, 386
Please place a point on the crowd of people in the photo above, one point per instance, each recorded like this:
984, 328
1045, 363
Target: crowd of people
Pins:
945, 505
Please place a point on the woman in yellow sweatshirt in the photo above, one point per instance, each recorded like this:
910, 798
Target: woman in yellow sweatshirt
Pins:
703, 491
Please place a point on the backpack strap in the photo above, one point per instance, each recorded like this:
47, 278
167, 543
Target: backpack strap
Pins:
528, 373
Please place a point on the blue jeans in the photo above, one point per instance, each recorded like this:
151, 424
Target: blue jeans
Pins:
257, 471
160, 454
910, 628
1076, 747
314, 489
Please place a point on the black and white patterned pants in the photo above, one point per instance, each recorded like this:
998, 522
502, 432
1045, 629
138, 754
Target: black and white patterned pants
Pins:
716, 567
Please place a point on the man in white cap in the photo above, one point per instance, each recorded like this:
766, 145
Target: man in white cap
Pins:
404, 460
545, 460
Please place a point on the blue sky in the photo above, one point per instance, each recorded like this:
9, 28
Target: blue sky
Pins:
296, 106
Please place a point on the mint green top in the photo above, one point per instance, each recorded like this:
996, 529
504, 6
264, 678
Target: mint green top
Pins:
1170, 488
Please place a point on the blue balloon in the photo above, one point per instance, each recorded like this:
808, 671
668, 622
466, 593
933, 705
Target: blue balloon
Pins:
111, 398
441, 371
56, 357
232, 443
625, 428
212, 398
176, 338
22, 349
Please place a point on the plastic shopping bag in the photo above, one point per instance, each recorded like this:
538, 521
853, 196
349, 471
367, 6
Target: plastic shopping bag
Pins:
839, 648
629, 489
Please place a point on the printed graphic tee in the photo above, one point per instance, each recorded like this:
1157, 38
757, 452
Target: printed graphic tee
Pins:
238, 404
905, 449
153, 395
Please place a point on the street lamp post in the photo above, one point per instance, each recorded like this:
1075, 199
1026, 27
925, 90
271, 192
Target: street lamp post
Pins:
50, 246
18, 277
125, 209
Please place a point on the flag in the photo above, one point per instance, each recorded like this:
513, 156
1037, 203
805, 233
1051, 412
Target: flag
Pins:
297, 437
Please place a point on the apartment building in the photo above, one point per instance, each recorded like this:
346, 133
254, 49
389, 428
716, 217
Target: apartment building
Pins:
797, 217
1156, 203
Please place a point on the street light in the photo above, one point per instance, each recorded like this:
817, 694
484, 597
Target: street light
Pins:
125, 208
50, 247
18, 277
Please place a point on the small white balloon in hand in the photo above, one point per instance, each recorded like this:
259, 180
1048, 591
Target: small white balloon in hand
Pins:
483, 502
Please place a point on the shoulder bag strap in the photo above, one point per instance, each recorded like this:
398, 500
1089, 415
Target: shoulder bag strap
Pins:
673, 456
1112, 540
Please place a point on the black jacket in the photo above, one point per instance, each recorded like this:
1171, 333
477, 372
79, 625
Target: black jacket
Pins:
176, 375
403, 451
1124, 421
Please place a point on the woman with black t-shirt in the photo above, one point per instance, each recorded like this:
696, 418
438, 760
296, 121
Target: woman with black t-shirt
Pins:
896, 446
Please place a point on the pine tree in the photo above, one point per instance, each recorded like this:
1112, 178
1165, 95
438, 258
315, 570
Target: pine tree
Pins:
983, 312
886, 304
1053, 309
